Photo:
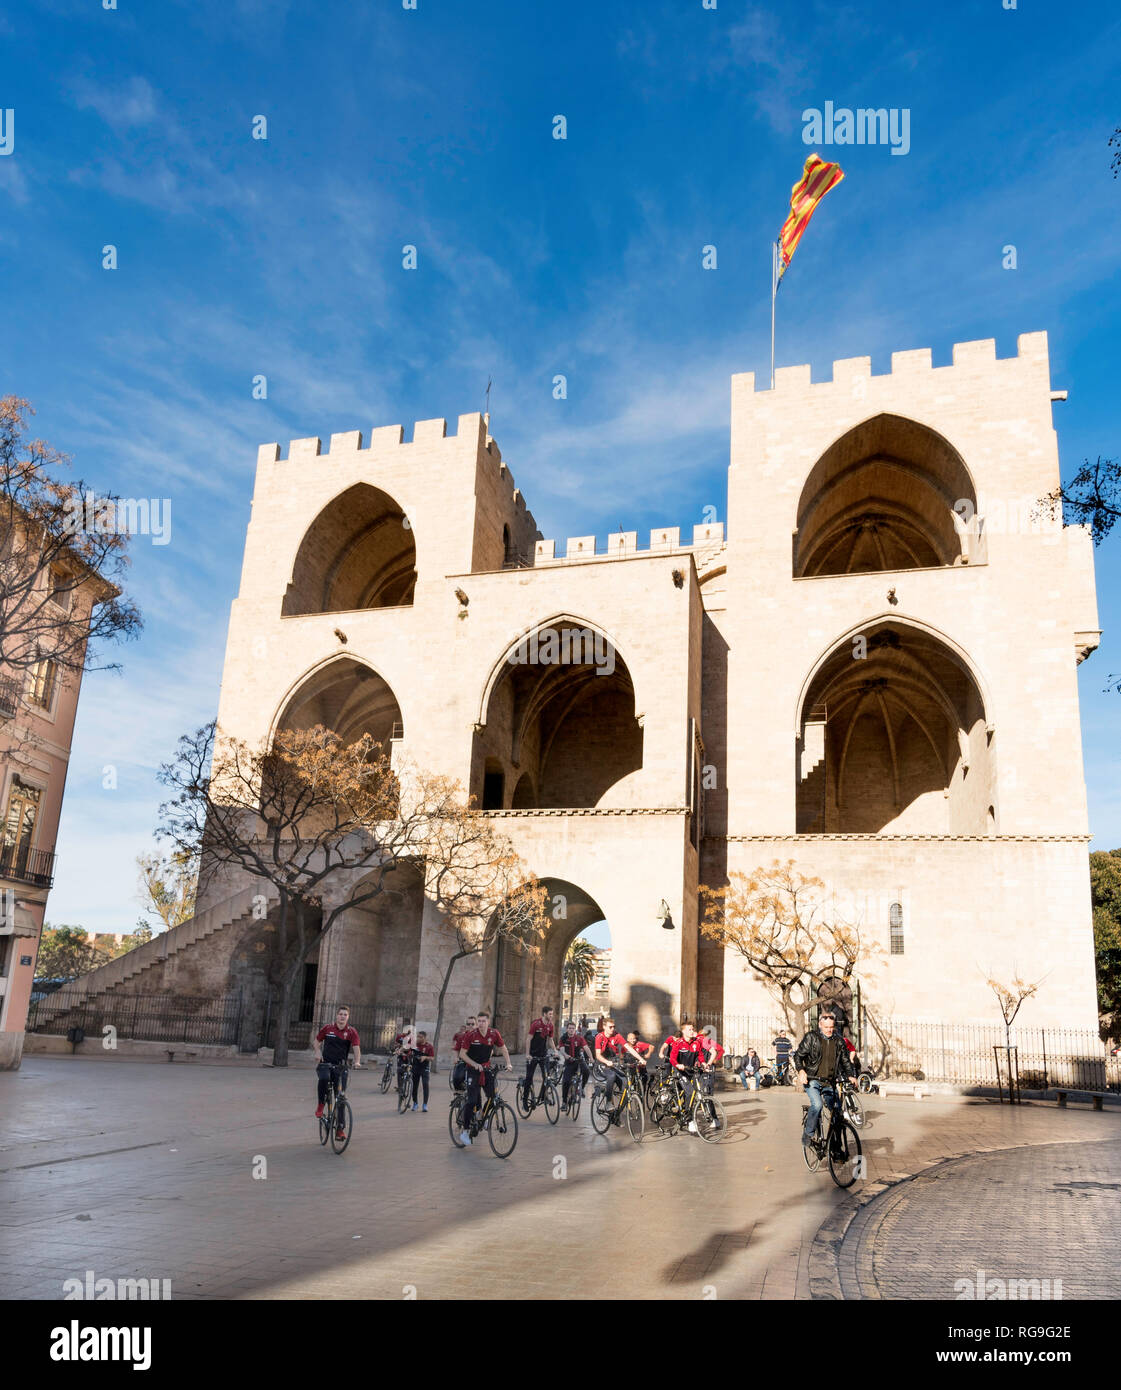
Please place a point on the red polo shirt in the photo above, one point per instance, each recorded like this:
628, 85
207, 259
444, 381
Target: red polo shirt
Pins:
479, 1046
687, 1053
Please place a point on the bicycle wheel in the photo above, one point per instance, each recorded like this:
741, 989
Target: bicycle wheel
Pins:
405, 1095
524, 1110
636, 1117
601, 1112
812, 1157
343, 1125
575, 1096
386, 1078
502, 1129
552, 1103
455, 1122
844, 1154
854, 1109
711, 1121
325, 1123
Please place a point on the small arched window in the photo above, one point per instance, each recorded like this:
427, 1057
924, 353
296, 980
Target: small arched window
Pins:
895, 921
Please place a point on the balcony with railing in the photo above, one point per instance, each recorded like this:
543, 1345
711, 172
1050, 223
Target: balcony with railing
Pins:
27, 865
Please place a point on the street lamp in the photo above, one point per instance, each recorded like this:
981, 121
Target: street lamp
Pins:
664, 918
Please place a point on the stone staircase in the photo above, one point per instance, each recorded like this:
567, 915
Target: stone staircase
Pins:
108, 978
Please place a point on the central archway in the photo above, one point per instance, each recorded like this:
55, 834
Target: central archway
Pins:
524, 982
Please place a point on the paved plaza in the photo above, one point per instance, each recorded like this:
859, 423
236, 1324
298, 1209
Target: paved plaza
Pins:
143, 1169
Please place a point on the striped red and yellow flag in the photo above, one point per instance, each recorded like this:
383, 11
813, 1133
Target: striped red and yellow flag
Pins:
818, 177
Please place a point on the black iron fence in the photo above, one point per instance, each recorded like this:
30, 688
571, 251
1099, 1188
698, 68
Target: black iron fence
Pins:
960, 1054
376, 1024
169, 1018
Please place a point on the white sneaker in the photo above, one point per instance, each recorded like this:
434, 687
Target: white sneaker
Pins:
692, 1126
465, 1137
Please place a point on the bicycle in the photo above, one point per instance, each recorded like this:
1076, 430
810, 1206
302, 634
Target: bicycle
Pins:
407, 1093
337, 1114
630, 1104
495, 1116
387, 1074
546, 1095
570, 1103
681, 1102
840, 1144
781, 1072
404, 1087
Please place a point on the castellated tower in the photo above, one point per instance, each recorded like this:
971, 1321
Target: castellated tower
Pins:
872, 675
902, 707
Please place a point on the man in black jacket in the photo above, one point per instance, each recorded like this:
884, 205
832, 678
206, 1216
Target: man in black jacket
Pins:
820, 1058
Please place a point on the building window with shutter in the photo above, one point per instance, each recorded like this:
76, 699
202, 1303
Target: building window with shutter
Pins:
44, 678
895, 918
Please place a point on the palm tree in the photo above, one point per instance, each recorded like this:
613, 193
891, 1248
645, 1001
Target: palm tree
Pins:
579, 969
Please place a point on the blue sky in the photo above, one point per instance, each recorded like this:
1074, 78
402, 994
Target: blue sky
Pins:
536, 257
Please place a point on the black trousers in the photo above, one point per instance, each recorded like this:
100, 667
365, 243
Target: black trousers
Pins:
572, 1065
476, 1080
531, 1066
323, 1071
420, 1077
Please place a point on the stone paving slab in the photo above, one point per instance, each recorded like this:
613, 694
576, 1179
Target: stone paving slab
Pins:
147, 1169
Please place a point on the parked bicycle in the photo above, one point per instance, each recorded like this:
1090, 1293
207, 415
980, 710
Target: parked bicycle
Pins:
839, 1144
337, 1121
494, 1115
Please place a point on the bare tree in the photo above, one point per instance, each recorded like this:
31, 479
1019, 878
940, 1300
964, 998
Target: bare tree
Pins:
167, 886
776, 919
63, 557
323, 825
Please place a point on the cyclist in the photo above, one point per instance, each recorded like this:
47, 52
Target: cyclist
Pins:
459, 1071
475, 1049
333, 1045
538, 1046
421, 1058
821, 1057
644, 1049
577, 1058
686, 1055
609, 1045
671, 1038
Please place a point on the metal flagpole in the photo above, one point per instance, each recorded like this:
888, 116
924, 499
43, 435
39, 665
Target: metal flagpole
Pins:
774, 291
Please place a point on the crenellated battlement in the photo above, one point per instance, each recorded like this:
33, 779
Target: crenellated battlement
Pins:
622, 545
1031, 350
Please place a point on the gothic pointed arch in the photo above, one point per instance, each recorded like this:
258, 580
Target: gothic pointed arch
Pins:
894, 737
889, 494
358, 553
